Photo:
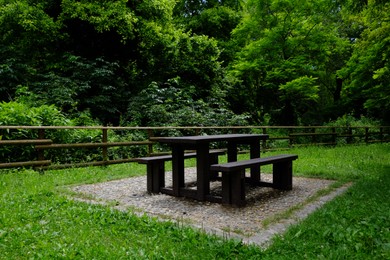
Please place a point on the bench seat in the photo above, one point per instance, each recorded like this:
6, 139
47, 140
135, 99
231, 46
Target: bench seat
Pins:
156, 168
233, 176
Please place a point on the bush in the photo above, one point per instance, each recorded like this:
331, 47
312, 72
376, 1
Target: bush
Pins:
175, 105
25, 114
354, 125
20, 114
350, 121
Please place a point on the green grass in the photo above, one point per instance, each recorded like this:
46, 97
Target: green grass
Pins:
355, 225
38, 220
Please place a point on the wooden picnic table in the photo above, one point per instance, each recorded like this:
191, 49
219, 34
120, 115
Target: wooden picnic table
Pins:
201, 144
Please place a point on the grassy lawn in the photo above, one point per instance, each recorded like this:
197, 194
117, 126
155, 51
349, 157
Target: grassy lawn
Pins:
37, 220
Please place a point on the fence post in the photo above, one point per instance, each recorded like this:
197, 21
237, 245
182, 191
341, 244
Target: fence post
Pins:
314, 136
264, 140
334, 140
366, 135
105, 148
150, 146
291, 141
41, 152
349, 138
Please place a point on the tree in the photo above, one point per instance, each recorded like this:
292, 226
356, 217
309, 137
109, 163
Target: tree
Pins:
284, 44
215, 19
367, 72
28, 37
97, 55
173, 105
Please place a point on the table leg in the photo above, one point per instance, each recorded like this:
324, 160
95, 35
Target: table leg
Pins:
202, 171
255, 153
177, 169
232, 151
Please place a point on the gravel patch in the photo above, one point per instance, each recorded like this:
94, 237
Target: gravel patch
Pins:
244, 223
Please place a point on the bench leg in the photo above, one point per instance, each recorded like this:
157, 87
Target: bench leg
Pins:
233, 188
155, 178
282, 175
255, 171
213, 160
226, 188
177, 169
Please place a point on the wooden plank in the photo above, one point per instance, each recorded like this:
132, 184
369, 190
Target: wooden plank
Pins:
26, 142
188, 193
235, 166
90, 145
279, 138
314, 144
311, 134
162, 158
24, 164
167, 190
214, 198
168, 157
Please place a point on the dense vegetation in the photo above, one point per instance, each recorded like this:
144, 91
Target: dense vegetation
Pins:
178, 62
38, 219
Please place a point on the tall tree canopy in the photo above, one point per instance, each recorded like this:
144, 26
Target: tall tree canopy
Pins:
97, 55
291, 50
367, 73
294, 61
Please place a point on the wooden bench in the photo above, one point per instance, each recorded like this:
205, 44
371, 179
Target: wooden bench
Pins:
155, 168
233, 176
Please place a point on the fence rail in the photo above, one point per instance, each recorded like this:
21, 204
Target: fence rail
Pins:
40, 141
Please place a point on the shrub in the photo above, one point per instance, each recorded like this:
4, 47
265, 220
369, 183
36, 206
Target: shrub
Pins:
175, 105
20, 114
26, 114
354, 126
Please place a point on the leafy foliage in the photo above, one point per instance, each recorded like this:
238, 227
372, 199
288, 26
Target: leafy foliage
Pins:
81, 84
216, 19
102, 15
97, 57
27, 114
367, 71
98, 54
14, 113
172, 105
284, 42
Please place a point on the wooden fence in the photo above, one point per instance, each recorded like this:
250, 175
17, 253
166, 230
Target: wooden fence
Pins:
281, 137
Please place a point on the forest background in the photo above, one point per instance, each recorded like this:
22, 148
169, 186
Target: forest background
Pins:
184, 63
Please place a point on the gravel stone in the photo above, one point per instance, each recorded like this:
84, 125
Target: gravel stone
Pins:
245, 224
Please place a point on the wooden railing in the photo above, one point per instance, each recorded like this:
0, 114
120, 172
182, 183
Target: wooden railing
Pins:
281, 137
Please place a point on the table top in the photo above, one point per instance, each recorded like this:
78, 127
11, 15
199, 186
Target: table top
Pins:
209, 138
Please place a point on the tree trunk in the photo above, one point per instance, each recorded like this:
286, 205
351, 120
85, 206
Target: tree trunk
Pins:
337, 91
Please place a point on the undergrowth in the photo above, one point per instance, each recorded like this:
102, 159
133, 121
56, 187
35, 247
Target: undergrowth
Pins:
38, 220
